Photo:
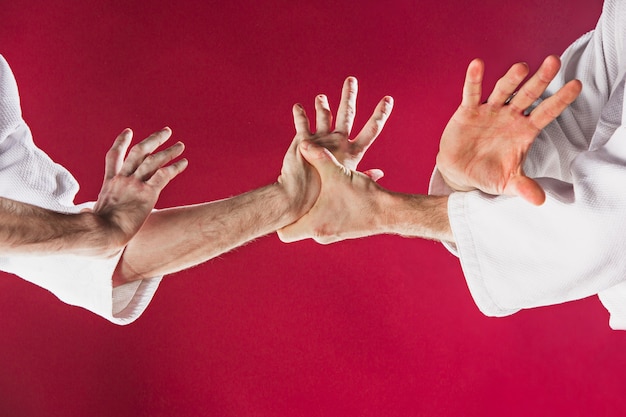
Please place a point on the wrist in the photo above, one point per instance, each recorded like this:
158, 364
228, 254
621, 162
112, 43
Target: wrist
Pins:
289, 205
29, 229
97, 237
454, 179
383, 206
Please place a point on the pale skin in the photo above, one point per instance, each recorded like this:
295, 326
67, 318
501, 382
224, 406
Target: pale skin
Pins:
483, 147
162, 242
485, 144
207, 230
130, 189
479, 150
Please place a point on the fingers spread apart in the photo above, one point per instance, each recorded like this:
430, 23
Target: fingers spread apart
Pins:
144, 148
348, 151
506, 90
537, 84
507, 85
141, 162
154, 162
550, 108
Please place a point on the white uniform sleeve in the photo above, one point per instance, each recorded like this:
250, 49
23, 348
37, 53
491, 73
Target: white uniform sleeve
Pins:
515, 255
28, 175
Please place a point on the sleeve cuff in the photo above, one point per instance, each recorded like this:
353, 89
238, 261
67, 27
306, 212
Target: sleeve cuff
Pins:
86, 282
462, 235
465, 250
614, 300
438, 186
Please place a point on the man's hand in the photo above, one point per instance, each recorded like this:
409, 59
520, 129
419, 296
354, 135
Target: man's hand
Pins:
347, 206
352, 205
485, 144
300, 181
132, 183
177, 238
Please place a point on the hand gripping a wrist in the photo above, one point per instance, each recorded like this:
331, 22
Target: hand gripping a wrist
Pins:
345, 151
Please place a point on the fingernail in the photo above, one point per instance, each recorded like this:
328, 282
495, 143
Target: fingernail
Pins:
389, 101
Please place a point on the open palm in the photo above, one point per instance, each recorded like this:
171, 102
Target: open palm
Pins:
485, 144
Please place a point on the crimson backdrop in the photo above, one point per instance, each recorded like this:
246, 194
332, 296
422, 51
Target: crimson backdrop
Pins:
377, 327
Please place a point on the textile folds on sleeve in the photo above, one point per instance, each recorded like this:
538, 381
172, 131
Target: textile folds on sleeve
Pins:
28, 175
515, 255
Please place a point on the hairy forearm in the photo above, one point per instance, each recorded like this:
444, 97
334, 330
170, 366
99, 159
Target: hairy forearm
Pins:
28, 229
413, 215
178, 238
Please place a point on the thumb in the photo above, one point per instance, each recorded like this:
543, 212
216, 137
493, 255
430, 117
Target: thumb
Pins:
321, 158
526, 188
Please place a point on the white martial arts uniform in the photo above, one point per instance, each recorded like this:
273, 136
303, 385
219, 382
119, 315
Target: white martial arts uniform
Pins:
28, 175
515, 255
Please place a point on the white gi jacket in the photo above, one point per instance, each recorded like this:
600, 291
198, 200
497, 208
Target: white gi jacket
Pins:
515, 255
28, 175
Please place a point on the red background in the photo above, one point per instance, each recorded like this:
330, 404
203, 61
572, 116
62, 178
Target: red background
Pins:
382, 326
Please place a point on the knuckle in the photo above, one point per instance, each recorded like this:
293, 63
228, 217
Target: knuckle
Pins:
113, 153
159, 179
530, 94
141, 146
150, 159
374, 128
323, 233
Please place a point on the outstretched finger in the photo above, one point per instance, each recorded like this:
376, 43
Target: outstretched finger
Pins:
374, 125
537, 84
154, 162
165, 174
301, 121
115, 156
526, 188
506, 86
472, 88
144, 148
323, 115
553, 106
347, 106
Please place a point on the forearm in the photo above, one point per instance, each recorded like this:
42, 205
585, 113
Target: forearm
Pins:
181, 237
28, 229
414, 215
